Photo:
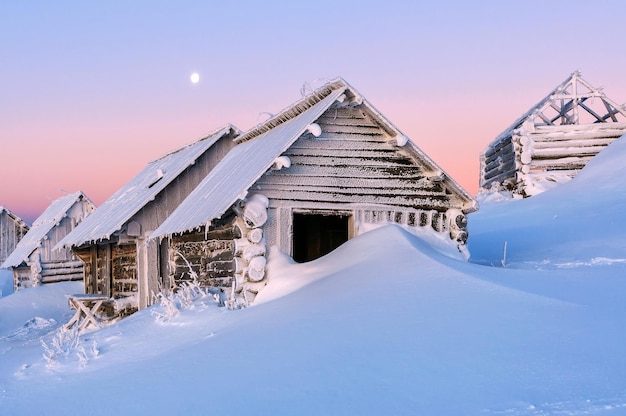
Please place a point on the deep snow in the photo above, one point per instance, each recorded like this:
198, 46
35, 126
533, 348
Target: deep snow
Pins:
384, 325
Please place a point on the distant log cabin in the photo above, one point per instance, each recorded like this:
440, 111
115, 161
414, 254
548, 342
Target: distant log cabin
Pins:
34, 261
321, 172
12, 230
120, 262
552, 141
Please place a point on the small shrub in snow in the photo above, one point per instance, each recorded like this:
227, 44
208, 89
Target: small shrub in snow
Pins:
63, 344
187, 293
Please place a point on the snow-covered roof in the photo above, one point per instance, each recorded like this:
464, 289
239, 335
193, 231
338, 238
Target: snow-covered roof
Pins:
50, 218
564, 103
116, 211
259, 147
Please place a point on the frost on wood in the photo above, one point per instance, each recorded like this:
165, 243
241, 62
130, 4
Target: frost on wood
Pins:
250, 251
553, 141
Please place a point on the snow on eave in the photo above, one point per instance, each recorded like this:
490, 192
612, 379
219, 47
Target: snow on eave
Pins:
119, 208
42, 226
243, 165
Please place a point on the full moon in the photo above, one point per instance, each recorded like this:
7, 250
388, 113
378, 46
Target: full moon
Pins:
195, 77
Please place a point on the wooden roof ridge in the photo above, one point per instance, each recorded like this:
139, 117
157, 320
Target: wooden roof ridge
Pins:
223, 130
110, 217
293, 110
563, 100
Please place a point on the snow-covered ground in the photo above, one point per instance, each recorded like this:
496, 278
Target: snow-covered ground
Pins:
384, 325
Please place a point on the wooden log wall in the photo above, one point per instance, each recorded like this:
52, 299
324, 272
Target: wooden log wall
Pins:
209, 253
124, 271
51, 272
531, 154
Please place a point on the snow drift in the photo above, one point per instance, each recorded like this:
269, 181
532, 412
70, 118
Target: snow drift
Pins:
386, 324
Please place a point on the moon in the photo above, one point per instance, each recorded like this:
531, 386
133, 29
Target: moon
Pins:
195, 78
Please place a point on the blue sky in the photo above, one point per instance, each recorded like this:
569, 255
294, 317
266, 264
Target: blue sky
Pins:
91, 92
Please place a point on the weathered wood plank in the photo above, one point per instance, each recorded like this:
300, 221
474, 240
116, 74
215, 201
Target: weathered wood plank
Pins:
389, 162
338, 144
328, 119
353, 171
351, 130
563, 163
415, 201
345, 182
343, 153
564, 152
434, 189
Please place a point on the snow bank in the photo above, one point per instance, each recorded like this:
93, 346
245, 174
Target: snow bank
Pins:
6, 282
386, 324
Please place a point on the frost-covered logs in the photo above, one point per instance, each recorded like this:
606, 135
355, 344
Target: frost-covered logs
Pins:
250, 250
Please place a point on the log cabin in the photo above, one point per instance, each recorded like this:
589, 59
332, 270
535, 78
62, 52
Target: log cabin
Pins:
553, 141
35, 261
119, 261
321, 172
12, 230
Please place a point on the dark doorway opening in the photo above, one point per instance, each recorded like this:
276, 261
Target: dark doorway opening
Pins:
315, 235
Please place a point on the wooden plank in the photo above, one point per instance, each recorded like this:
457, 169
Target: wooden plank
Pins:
415, 201
506, 171
351, 130
577, 135
345, 182
504, 146
560, 152
389, 162
364, 138
339, 144
573, 142
328, 119
62, 264
353, 171
434, 189
498, 163
344, 153
563, 163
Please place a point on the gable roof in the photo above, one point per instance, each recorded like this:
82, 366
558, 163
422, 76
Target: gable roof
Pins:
12, 215
257, 150
50, 218
567, 103
116, 211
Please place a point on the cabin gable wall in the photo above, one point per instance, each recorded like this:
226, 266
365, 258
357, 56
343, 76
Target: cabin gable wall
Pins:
353, 168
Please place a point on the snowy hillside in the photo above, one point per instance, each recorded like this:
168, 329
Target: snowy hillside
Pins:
383, 325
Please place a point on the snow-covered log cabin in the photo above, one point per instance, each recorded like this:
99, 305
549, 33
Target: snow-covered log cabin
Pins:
553, 140
12, 230
120, 262
321, 172
35, 261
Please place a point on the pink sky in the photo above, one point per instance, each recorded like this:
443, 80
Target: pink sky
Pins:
91, 93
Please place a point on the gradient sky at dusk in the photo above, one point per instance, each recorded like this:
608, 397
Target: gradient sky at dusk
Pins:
90, 92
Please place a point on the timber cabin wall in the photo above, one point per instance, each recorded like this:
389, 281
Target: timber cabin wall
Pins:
130, 265
355, 169
12, 229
